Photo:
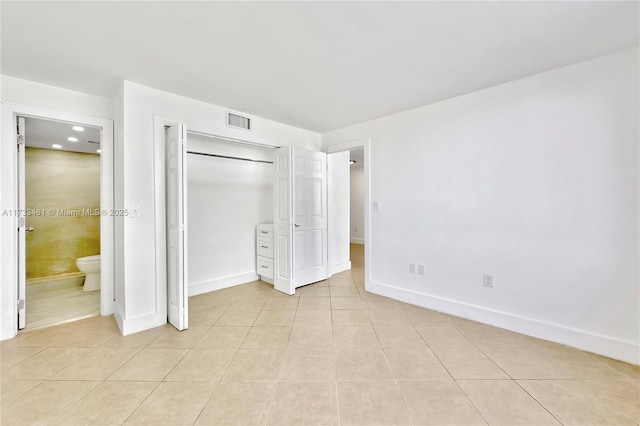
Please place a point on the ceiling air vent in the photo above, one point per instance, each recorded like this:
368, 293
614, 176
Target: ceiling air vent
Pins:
238, 121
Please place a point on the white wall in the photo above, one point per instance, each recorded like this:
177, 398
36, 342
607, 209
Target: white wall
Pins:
338, 211
144, 305
533, 181
39, 95
226, 200
357, 204
43, 95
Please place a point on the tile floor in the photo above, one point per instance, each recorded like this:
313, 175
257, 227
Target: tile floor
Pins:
333, 354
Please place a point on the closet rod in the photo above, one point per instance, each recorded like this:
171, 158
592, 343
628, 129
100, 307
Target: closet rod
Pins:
209, 135
229, 157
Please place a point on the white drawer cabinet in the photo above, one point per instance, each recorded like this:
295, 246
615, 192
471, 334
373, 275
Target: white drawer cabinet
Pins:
264, 252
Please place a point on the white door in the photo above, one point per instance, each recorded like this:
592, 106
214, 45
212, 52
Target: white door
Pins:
283, 221
310, 216
22, 225
176, 219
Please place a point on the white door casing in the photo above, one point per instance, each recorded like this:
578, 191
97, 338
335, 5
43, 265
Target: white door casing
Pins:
22, 225
310, 242
176, 224
283, 221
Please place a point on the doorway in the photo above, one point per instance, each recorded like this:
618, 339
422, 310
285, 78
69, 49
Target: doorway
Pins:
61, 190
44, 261
350, 209
356, 214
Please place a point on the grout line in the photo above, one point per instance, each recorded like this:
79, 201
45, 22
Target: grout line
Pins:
73, 404
471, 401
142, 402
539, 402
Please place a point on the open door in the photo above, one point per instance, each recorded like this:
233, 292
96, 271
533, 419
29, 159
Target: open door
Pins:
310, 217
176, 222
283, 221
22, 226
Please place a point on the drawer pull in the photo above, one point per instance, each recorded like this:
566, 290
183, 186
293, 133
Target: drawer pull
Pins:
265, 267
264, 232
264, 247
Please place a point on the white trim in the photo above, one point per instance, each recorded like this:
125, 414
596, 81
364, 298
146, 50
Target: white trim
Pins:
357, 240
340, 267
580, 339
119, 317
9, 239
368, 241
220, 283
141, 323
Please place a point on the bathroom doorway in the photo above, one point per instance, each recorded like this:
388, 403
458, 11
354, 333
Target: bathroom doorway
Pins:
60, 188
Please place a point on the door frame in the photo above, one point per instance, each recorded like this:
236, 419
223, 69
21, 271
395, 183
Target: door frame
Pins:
194, 127
9, 274
368, 241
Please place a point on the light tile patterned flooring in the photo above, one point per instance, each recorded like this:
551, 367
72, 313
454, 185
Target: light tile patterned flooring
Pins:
333, 354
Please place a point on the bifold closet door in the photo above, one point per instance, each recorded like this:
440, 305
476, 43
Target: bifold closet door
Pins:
310, 240
283, 221
176, 221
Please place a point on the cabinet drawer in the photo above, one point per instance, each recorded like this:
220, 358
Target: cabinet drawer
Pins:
265, 247
265, 267
265, 231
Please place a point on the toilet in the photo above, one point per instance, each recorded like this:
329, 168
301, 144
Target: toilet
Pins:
90, 265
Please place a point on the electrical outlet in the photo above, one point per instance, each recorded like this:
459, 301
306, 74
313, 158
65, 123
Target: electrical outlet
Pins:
376, 205
421, 269
135, 211
487, 280
355, 229
412, 268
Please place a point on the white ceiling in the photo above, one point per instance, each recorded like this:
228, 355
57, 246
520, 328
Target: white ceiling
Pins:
316, 65
44, 133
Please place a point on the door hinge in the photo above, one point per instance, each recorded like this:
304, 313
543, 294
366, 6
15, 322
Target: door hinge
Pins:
21, 304
20, 140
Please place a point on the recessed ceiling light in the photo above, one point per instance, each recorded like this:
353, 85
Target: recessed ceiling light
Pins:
352, 162
98, 151
78, 128
72, 139
56, 146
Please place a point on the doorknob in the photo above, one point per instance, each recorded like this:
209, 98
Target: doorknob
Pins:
29, 229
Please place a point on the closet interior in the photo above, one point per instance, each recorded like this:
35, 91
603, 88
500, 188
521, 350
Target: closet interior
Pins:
241, 211
229, 193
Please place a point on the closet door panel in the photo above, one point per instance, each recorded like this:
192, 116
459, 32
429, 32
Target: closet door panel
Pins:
176, 227
301, 251
317, 242
299, 197
283, 221
283, 200
316, 199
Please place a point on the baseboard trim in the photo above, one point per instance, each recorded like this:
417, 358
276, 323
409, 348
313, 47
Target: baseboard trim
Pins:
220, 283
117, 315
357, 240
580, 339
345, 266
141, 322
